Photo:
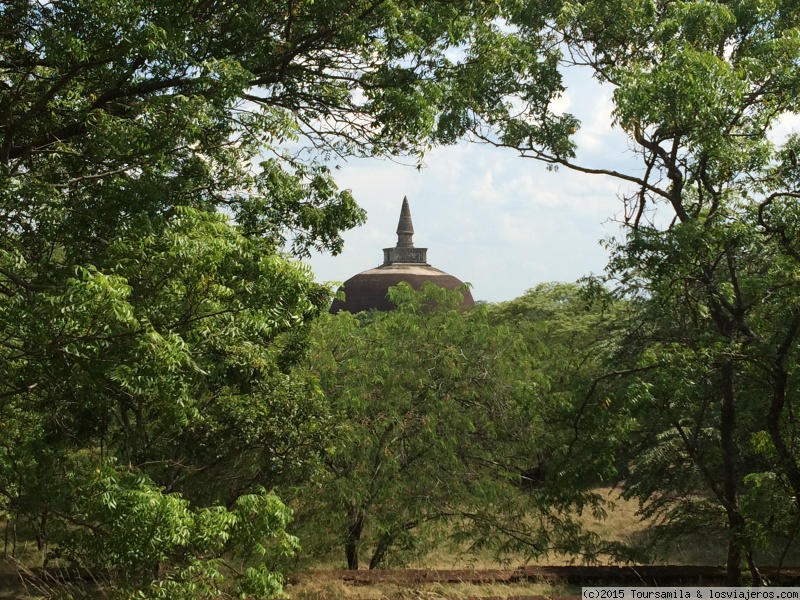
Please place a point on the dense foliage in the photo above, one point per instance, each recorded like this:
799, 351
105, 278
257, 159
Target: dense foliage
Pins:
157, 157
149, 318
430, 402
710, 255
452, 428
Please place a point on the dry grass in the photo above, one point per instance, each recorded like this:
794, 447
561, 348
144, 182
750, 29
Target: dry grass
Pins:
621, 524
624, 525
324, 589
12, 569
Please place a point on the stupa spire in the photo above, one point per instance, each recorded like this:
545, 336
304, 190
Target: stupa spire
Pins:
404, 251
405, 228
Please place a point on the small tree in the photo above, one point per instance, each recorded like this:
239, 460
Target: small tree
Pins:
434, 404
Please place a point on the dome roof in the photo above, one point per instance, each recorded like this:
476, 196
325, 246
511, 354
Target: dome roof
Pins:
368, 290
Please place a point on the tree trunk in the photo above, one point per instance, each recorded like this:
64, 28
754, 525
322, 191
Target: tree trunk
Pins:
735, 533
353, 539
384, 543
755, 574
727, 430
780, 379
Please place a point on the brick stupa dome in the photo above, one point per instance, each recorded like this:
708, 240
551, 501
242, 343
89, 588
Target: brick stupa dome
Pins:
404, 262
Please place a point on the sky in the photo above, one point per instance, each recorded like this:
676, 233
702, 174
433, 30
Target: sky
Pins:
491, 218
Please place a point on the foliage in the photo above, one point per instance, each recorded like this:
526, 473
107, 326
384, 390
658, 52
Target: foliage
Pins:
422, 399
151, 175
696, 440
572, 334
147, 529
709, 258
443, 415
158, 372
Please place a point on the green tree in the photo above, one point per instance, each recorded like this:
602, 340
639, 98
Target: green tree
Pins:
442, 414
709, 406
710, 251
571, 331
149, 318
429, 401
158, 376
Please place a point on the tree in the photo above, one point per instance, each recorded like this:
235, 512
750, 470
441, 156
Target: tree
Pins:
149, 317
442, 414
134, 389
707, 405
571, 333
709, 253
433, 405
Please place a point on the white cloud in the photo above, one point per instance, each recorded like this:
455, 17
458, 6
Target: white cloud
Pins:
561, 104
514, 231
595, 133
786, 125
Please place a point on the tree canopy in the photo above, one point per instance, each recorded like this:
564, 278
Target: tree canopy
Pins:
437, 417
709, 254
162, 167
156, 158
455, 428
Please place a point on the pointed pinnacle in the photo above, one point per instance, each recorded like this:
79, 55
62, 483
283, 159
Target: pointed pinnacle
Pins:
405, 228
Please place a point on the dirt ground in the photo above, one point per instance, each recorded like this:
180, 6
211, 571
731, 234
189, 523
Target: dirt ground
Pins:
528, 583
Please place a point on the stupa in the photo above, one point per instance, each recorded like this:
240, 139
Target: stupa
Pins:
368, 290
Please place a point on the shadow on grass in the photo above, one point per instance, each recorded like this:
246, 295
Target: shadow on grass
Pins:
707, 548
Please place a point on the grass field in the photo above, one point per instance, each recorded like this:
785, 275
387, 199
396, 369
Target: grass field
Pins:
621, 524
310, 589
